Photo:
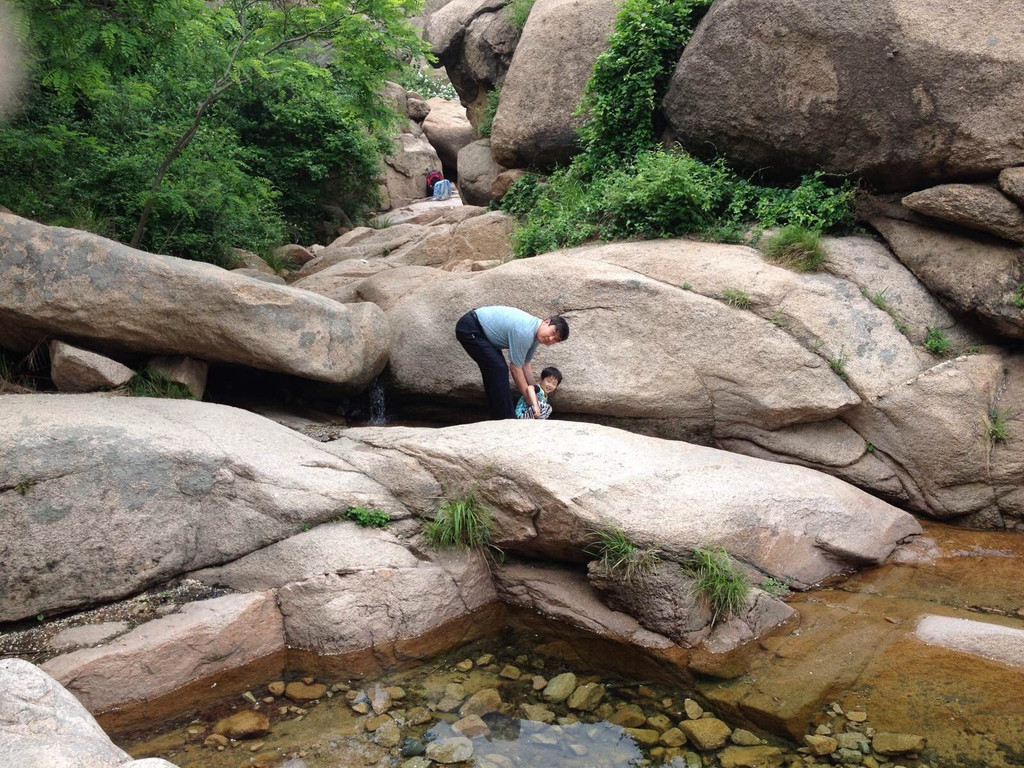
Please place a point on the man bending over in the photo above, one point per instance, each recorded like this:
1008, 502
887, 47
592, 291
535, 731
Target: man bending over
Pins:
486, 331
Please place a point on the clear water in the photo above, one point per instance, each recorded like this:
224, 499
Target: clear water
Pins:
378, 404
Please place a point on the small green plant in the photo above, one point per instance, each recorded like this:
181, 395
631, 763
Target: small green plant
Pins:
380, 222
737, 298
717, 581
795, 247
1018, 296
838, 364
687, 287
305, 527
974, 349
995, 424
462, 521
878, 298
621, 557
368, 518
517, 12
487, 119
778, 320
150, 383
280, 263
869, 447
937, 342
40, 617
23, 486
774, 587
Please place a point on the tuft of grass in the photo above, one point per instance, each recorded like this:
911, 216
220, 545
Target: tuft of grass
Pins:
278, 262
687, 286
878, 298
622, 557
380, 222
462, 521
774, 587
838, 364
487, 119
368, 518
974, 349
795, 247
517, 12
995, 425
718, 582
1018, 296
937, 342
150, 383
737, 298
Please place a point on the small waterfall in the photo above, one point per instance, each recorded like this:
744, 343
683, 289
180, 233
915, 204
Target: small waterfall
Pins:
378, 404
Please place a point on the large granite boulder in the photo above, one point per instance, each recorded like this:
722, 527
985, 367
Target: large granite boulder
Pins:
448, 130
159, 487
890, 90
56, 281
788, 522
974, 274
975, 206
41, 724
477, 172
535, 124
405, 171
474, 41
203, 639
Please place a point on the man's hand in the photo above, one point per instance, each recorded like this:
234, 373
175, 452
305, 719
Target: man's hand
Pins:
536, 411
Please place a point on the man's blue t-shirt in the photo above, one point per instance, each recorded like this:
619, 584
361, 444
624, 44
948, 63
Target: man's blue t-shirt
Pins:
512, 329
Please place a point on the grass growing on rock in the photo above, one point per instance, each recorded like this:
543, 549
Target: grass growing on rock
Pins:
718, 582
150, 383
462, 522
280, 263
880, 300
995, 425
517, 12
838, 364
737, 298
621, 557
795, 247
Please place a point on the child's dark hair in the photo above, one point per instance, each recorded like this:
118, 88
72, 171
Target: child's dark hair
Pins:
551, 371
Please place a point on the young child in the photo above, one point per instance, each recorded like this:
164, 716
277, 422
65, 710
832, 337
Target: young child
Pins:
550, 378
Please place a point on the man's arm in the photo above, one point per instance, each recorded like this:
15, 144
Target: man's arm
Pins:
519, 376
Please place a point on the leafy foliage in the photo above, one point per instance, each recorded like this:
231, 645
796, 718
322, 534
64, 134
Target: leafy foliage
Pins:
487, 119
937, 342
623, 185
1018, 296
718, 582
426, 84
621, 557
193, 127
368, 518
795, 247
774, 587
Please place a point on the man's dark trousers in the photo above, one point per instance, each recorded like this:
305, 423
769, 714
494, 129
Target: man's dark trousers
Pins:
492, 364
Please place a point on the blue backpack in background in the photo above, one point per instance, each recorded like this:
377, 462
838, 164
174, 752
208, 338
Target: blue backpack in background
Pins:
442, 190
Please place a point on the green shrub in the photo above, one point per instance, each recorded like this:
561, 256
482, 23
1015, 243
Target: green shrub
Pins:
1018, 296
368, 518
995, 425
937, 342
517, 12
150, 383
487, 120
462, 521
795, 247
718, 582
277, 261
621, 558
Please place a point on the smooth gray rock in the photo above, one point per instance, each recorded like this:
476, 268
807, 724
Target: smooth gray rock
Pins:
78, 370
116, 297
975, 206
182, 485
43, 726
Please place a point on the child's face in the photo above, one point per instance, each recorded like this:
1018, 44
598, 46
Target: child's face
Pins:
549, 384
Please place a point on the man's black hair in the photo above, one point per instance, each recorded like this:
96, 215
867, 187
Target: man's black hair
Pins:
559, 323
551, 371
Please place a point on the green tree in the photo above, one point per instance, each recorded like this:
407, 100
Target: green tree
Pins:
135, 124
